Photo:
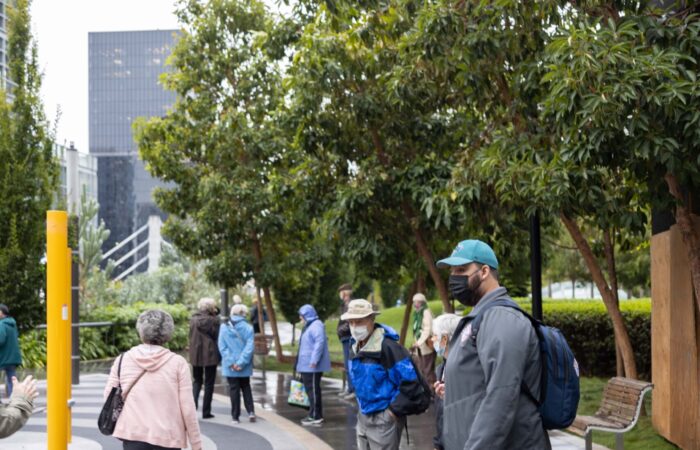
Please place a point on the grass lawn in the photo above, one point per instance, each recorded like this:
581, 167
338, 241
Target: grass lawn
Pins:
643, 436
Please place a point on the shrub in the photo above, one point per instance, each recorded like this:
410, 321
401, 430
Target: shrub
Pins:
589, 332
123, 336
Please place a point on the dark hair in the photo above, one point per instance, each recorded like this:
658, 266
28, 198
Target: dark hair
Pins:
494, 272
4, 309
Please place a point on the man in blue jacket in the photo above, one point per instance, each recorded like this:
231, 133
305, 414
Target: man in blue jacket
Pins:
313, 360
386, 383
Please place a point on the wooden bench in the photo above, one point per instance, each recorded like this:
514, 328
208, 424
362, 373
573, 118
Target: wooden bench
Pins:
618, 413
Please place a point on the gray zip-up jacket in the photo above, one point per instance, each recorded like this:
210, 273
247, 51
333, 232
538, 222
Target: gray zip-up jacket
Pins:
484, 406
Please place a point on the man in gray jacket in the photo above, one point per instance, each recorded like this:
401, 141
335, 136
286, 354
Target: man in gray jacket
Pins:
485, 406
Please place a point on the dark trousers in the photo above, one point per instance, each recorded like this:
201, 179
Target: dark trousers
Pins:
136, 445
10, 372
236, 385
312, 384
207, 376
346, 359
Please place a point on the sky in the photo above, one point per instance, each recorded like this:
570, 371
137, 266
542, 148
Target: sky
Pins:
61, 30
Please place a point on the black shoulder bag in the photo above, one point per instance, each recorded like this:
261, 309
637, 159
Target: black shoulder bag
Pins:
114, 404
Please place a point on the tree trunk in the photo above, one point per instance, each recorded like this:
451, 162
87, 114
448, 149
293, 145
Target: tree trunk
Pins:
257, 254
690, 237
612, 275
428, 259
273, 323
407, 311
619, 327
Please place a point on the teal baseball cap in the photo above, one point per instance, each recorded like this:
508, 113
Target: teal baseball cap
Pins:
471, 251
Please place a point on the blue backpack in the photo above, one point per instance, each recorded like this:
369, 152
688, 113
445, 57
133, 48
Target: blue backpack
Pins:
559, 397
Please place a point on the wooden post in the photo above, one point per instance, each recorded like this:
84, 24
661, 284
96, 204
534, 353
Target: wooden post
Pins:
675, 335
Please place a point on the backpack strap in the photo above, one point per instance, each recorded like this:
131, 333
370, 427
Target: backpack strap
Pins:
509, 303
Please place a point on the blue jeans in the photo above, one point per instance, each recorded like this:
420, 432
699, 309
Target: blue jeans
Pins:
10, 371
346, 360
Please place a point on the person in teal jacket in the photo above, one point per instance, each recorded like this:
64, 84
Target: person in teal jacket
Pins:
236, 348
10, 356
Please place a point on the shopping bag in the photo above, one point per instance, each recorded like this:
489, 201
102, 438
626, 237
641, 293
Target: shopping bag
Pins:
297, 395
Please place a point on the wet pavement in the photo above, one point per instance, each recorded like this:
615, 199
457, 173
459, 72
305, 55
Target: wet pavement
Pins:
338, 431
270, 390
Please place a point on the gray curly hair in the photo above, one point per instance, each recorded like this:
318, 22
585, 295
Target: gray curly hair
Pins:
155, 327
206, 304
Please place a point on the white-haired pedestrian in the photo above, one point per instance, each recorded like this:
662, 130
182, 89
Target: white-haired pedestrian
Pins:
236, 347
159, 408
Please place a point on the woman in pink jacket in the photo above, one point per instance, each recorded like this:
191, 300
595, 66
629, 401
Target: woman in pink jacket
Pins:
159, 410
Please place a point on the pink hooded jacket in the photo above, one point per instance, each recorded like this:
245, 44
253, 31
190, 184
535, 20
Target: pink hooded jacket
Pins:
160, 407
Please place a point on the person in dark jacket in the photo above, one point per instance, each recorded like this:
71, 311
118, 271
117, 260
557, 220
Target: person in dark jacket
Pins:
386, 383
343, 331
485, 405
314, 359
443, 328
254, 316
204, 352
10, 356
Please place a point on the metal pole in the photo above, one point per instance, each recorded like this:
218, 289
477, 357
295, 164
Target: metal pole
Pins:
224, 303
68, 334
536, 266
73, 197
56, 314
75, 313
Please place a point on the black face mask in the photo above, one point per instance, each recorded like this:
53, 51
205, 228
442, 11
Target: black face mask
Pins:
462, 292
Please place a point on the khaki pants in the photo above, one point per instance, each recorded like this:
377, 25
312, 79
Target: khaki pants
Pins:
379, 431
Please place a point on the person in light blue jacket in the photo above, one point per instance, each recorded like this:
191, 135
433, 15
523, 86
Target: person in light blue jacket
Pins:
313, 360
236, 348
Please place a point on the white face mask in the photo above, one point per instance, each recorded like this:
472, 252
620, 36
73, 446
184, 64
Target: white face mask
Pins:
359, 333
439, 350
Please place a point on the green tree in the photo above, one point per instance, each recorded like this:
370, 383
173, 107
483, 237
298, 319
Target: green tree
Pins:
623, 93
220, 145
28, 175
492, 56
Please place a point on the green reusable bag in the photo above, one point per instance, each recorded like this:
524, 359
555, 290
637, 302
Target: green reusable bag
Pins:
297, 395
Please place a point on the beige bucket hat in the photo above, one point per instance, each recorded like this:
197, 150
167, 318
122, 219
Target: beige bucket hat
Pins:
359, 309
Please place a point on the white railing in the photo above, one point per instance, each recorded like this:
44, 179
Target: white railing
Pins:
154, 241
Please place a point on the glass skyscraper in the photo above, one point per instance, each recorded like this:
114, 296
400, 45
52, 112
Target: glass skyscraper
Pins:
124, 71
3, 45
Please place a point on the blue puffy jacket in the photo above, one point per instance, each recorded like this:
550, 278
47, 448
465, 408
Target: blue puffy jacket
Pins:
236, 347
313, 343
383, 374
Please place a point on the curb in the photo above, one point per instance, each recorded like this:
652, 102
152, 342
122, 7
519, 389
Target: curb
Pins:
304, 437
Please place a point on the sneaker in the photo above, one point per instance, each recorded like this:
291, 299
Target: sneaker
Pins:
252, 418
235, 421
350, 396
208, 416
310, 421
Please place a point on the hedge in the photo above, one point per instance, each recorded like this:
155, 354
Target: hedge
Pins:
105, 342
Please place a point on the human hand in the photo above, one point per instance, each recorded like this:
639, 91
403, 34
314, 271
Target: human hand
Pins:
26, 388
439, 389
392, 415
312, 365
236, 367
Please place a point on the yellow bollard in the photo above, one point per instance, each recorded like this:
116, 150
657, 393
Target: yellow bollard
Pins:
56, 315
67, 359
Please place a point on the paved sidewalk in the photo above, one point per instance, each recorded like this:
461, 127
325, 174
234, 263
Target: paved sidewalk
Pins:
338, 431
269, 432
